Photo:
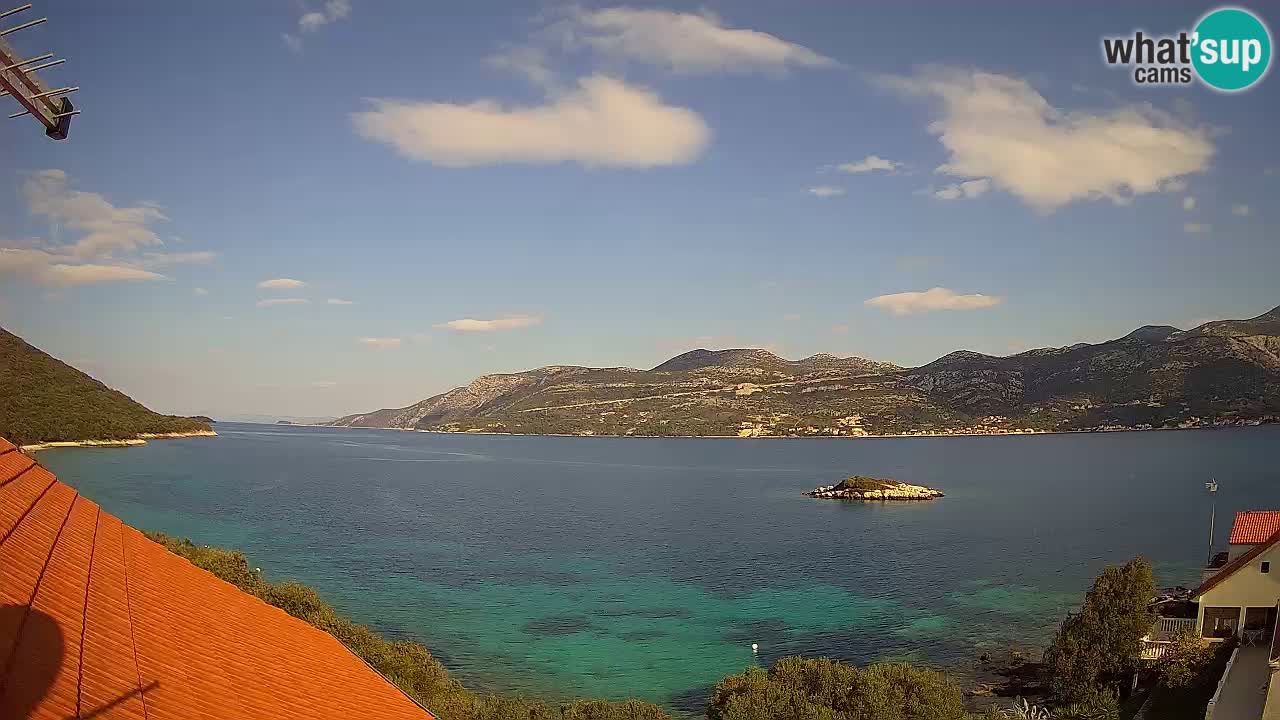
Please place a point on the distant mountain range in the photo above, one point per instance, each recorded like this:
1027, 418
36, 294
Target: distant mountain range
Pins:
43, 399
277, 419
1221, 373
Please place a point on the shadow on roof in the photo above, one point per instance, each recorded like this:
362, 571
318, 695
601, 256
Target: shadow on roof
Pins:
137, 692
38, 639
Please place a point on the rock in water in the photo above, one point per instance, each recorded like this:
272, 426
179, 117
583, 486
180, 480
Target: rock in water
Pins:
859, 487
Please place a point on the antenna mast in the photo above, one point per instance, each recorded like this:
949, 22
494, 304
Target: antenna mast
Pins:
18, 80
1212, 487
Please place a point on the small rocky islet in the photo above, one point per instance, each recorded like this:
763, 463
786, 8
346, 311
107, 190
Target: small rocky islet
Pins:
860, 487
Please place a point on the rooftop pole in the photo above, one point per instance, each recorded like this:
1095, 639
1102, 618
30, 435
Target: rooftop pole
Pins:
1212, 487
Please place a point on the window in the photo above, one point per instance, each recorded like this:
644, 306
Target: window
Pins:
1266, 566
1220, 622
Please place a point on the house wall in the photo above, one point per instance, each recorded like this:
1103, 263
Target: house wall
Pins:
1248, 587
1235, 551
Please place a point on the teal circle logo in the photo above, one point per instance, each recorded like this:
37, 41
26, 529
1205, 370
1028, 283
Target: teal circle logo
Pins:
1231, 49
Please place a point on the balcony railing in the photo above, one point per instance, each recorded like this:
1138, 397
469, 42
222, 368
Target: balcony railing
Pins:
1159, 642
1168, 628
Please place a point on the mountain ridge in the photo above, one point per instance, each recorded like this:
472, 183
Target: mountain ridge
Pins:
1221, 372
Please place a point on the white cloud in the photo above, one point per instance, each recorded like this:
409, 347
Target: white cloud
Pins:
1174, 186
825, 191
998, 127
1240, 210
939, 298
61, 275
201, 292
281, 284
1188, 203
107, 243
601, 122
330, 12
509, 322
682, 42
156, 259
966, 189
381, 343
268, 302
44, 269
106, 228
870, 163
1196, 228
338, 301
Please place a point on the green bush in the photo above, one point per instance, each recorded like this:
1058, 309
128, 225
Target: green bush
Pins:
1188, 700
1097, 646
824, 689
1099, 704
1186, 661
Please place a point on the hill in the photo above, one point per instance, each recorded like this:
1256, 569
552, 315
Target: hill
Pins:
1225, 372
42, 399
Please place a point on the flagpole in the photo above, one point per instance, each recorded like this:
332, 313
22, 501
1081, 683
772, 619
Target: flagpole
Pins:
1212, 487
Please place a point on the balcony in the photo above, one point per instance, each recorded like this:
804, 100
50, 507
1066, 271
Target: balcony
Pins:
1158, 643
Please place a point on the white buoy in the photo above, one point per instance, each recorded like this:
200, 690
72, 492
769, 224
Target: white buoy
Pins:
755, 647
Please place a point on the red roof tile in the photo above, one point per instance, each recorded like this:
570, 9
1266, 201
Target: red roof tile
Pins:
1254, 526
97, 620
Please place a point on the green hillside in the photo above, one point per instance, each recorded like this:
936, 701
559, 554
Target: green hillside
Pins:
44, 399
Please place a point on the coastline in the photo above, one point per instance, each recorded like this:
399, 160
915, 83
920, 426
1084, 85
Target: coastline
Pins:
1009, 433
140, 439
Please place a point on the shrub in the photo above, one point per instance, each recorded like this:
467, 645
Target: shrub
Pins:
1023, 710
1100, 704
1186, 660
820, 688
1096, 646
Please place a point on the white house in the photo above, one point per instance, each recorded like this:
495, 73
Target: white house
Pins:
1239, 596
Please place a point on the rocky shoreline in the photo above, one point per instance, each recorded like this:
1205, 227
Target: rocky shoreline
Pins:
141, 439
865, 488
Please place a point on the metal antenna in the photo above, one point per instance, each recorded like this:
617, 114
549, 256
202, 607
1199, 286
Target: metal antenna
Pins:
18, 80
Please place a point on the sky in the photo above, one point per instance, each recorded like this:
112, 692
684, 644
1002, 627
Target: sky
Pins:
311, 208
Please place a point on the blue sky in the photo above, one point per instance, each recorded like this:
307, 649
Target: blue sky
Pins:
609, 185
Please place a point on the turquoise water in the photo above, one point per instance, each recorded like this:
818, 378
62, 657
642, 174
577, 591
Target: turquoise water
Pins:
647, 567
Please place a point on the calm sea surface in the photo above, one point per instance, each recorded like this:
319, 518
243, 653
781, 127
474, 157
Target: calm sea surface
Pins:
647, 567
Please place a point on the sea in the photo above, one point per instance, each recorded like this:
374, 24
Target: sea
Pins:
649, 567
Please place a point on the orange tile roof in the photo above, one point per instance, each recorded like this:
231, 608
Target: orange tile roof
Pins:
98, 621
1254, 526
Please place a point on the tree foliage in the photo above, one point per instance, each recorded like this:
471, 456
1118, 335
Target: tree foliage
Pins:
1097, 704
823, 689
44, 399
1097, 645
1186, 661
